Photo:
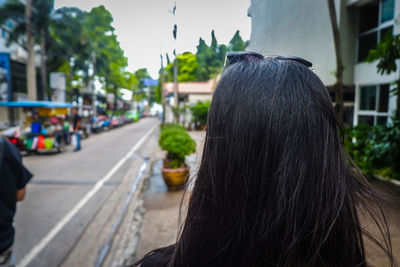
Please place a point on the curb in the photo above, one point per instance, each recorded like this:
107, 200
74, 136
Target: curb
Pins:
395, 182
126, 249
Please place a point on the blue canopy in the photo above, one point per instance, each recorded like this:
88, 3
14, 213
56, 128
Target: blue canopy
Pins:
44, 104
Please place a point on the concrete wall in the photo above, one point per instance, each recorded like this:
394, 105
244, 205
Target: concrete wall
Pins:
194, 98
302, 28
3, 117
299, 28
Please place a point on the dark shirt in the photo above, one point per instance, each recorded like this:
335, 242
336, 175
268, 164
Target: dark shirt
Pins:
13, 176
75, 121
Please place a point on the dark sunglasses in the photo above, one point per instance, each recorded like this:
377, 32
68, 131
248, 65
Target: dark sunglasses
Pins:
234, 57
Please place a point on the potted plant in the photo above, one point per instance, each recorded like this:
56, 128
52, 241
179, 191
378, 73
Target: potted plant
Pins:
175, 140
199, 114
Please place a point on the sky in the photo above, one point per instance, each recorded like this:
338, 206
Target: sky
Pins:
144, 27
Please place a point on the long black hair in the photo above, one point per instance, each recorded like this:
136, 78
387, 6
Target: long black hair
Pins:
275, 187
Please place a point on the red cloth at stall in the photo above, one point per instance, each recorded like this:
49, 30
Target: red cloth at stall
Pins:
40, 144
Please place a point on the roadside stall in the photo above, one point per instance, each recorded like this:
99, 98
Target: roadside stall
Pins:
43, 129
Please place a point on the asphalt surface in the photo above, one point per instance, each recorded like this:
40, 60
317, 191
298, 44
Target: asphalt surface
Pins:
63, 180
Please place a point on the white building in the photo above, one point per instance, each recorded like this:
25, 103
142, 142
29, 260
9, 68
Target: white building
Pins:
302, 28
17, 53
191, 92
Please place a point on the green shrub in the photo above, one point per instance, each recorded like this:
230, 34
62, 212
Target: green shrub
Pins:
357, 144
376, 150
199, 113
176, 141
166, 126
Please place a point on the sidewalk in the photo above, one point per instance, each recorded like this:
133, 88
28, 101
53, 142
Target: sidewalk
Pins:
161, 221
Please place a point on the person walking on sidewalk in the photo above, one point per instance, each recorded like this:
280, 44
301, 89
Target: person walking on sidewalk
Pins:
275, 186
76, 124
13, 179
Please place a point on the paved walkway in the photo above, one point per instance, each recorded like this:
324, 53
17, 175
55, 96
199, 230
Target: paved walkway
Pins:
392, 210
161, 221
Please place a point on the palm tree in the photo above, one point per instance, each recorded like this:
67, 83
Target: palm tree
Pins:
41, 21
67, 44
31, 20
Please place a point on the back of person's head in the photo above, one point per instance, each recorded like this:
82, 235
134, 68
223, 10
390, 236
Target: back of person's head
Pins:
274, 187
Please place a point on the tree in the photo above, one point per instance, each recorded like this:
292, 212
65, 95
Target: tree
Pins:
203, 72
106, 56
140, 75
33, 21
338, 86
187, 68
30, 64
112, 67
21, 15
67, 49
237, 43
214, 42
222, 51
206, 63
167, 57
42, 19
210, 58
387, 52
131, 81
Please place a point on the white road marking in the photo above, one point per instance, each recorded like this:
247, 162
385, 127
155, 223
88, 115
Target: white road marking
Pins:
57, 228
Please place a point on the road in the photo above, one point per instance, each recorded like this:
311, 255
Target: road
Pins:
60, 182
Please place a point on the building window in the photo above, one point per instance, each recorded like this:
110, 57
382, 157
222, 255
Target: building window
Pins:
387, 12
375, 21
374, 104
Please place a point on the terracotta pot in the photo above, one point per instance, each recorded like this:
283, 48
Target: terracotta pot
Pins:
166, 163
175, 178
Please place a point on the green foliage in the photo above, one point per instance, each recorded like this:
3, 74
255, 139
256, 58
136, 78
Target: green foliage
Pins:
39, 21
158, 96
208, 61
15, 11
187, 68
67, 45
141, 74
376, 150
132, 82
199, 113
357, 145
387, 52
237, 43
187, 64
168, 126
384, 144
210, 58
176, 141
76, 42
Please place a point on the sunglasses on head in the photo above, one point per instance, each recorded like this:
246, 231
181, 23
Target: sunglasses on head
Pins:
234, 57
